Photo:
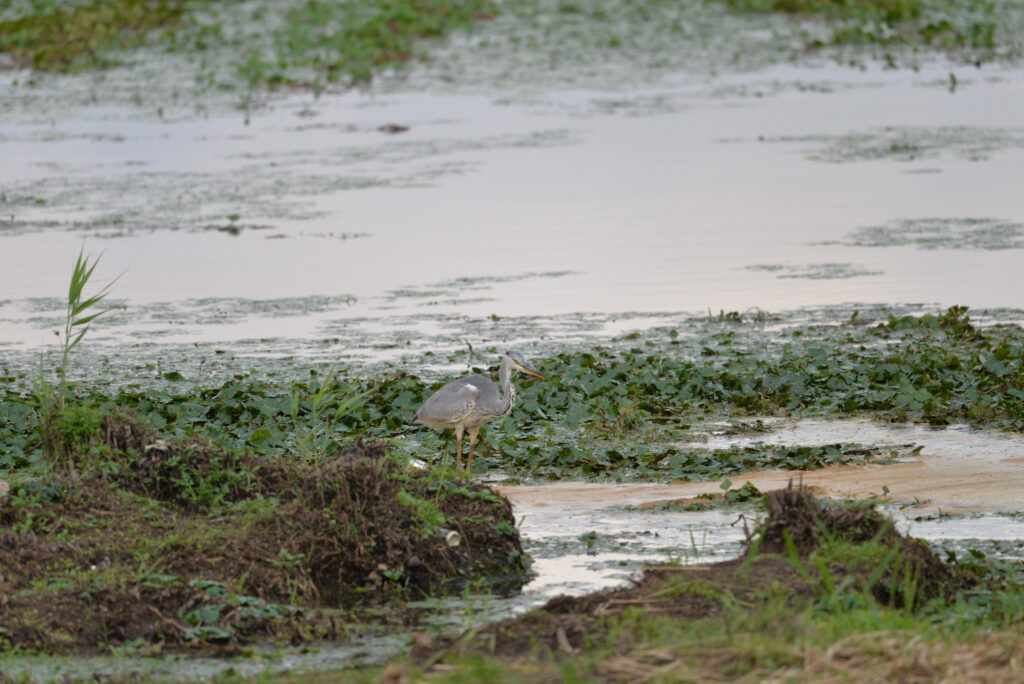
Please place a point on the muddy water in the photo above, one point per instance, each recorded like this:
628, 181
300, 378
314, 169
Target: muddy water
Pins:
957, 470
960, 491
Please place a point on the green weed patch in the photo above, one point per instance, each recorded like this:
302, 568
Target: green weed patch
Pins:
349, 42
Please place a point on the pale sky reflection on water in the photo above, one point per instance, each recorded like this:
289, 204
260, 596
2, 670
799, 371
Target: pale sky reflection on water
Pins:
661, 210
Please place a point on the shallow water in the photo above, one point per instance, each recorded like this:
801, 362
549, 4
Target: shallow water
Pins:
957, 470
707, 193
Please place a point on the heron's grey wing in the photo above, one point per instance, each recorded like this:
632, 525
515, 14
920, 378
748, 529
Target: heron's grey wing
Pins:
450, 404
489, 402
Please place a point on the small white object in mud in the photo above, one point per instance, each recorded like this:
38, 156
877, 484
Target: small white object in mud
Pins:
451, 537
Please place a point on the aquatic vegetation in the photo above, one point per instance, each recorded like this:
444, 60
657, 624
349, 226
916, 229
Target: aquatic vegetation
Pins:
892, 10
940, 233
273, 186
694, 464
350, 42
77, 36
326, 42
908, 143
829, 271
747, 494
633, 410
943, 25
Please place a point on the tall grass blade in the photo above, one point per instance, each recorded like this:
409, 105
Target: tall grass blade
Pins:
794, 557
880, 569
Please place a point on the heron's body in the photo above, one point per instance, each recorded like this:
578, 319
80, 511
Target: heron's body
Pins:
469, 402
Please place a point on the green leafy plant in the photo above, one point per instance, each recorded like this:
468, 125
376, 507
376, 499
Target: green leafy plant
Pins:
426, 511
80, 311
315, 410
934, 368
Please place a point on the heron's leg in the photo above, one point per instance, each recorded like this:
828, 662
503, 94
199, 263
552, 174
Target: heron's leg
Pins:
473, 431
458, 446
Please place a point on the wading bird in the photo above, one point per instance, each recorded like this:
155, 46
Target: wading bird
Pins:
469, 402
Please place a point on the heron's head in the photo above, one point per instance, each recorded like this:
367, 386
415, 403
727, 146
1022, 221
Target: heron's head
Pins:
518, 362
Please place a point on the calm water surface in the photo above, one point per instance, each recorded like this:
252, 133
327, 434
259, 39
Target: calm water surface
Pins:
717, 193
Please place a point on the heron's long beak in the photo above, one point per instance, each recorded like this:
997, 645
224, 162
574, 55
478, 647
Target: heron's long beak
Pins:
530, 370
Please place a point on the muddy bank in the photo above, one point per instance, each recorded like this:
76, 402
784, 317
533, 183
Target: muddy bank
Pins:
157, 543
778, 610
565, 623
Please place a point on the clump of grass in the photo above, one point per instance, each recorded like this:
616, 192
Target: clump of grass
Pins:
80, 310
316, 410
148, 516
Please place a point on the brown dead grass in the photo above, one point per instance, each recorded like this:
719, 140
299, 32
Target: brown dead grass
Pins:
872, 658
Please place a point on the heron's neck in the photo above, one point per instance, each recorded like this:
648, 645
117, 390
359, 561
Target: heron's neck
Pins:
508, 392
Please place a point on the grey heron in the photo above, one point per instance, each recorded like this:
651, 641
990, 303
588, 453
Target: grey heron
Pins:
471, 401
